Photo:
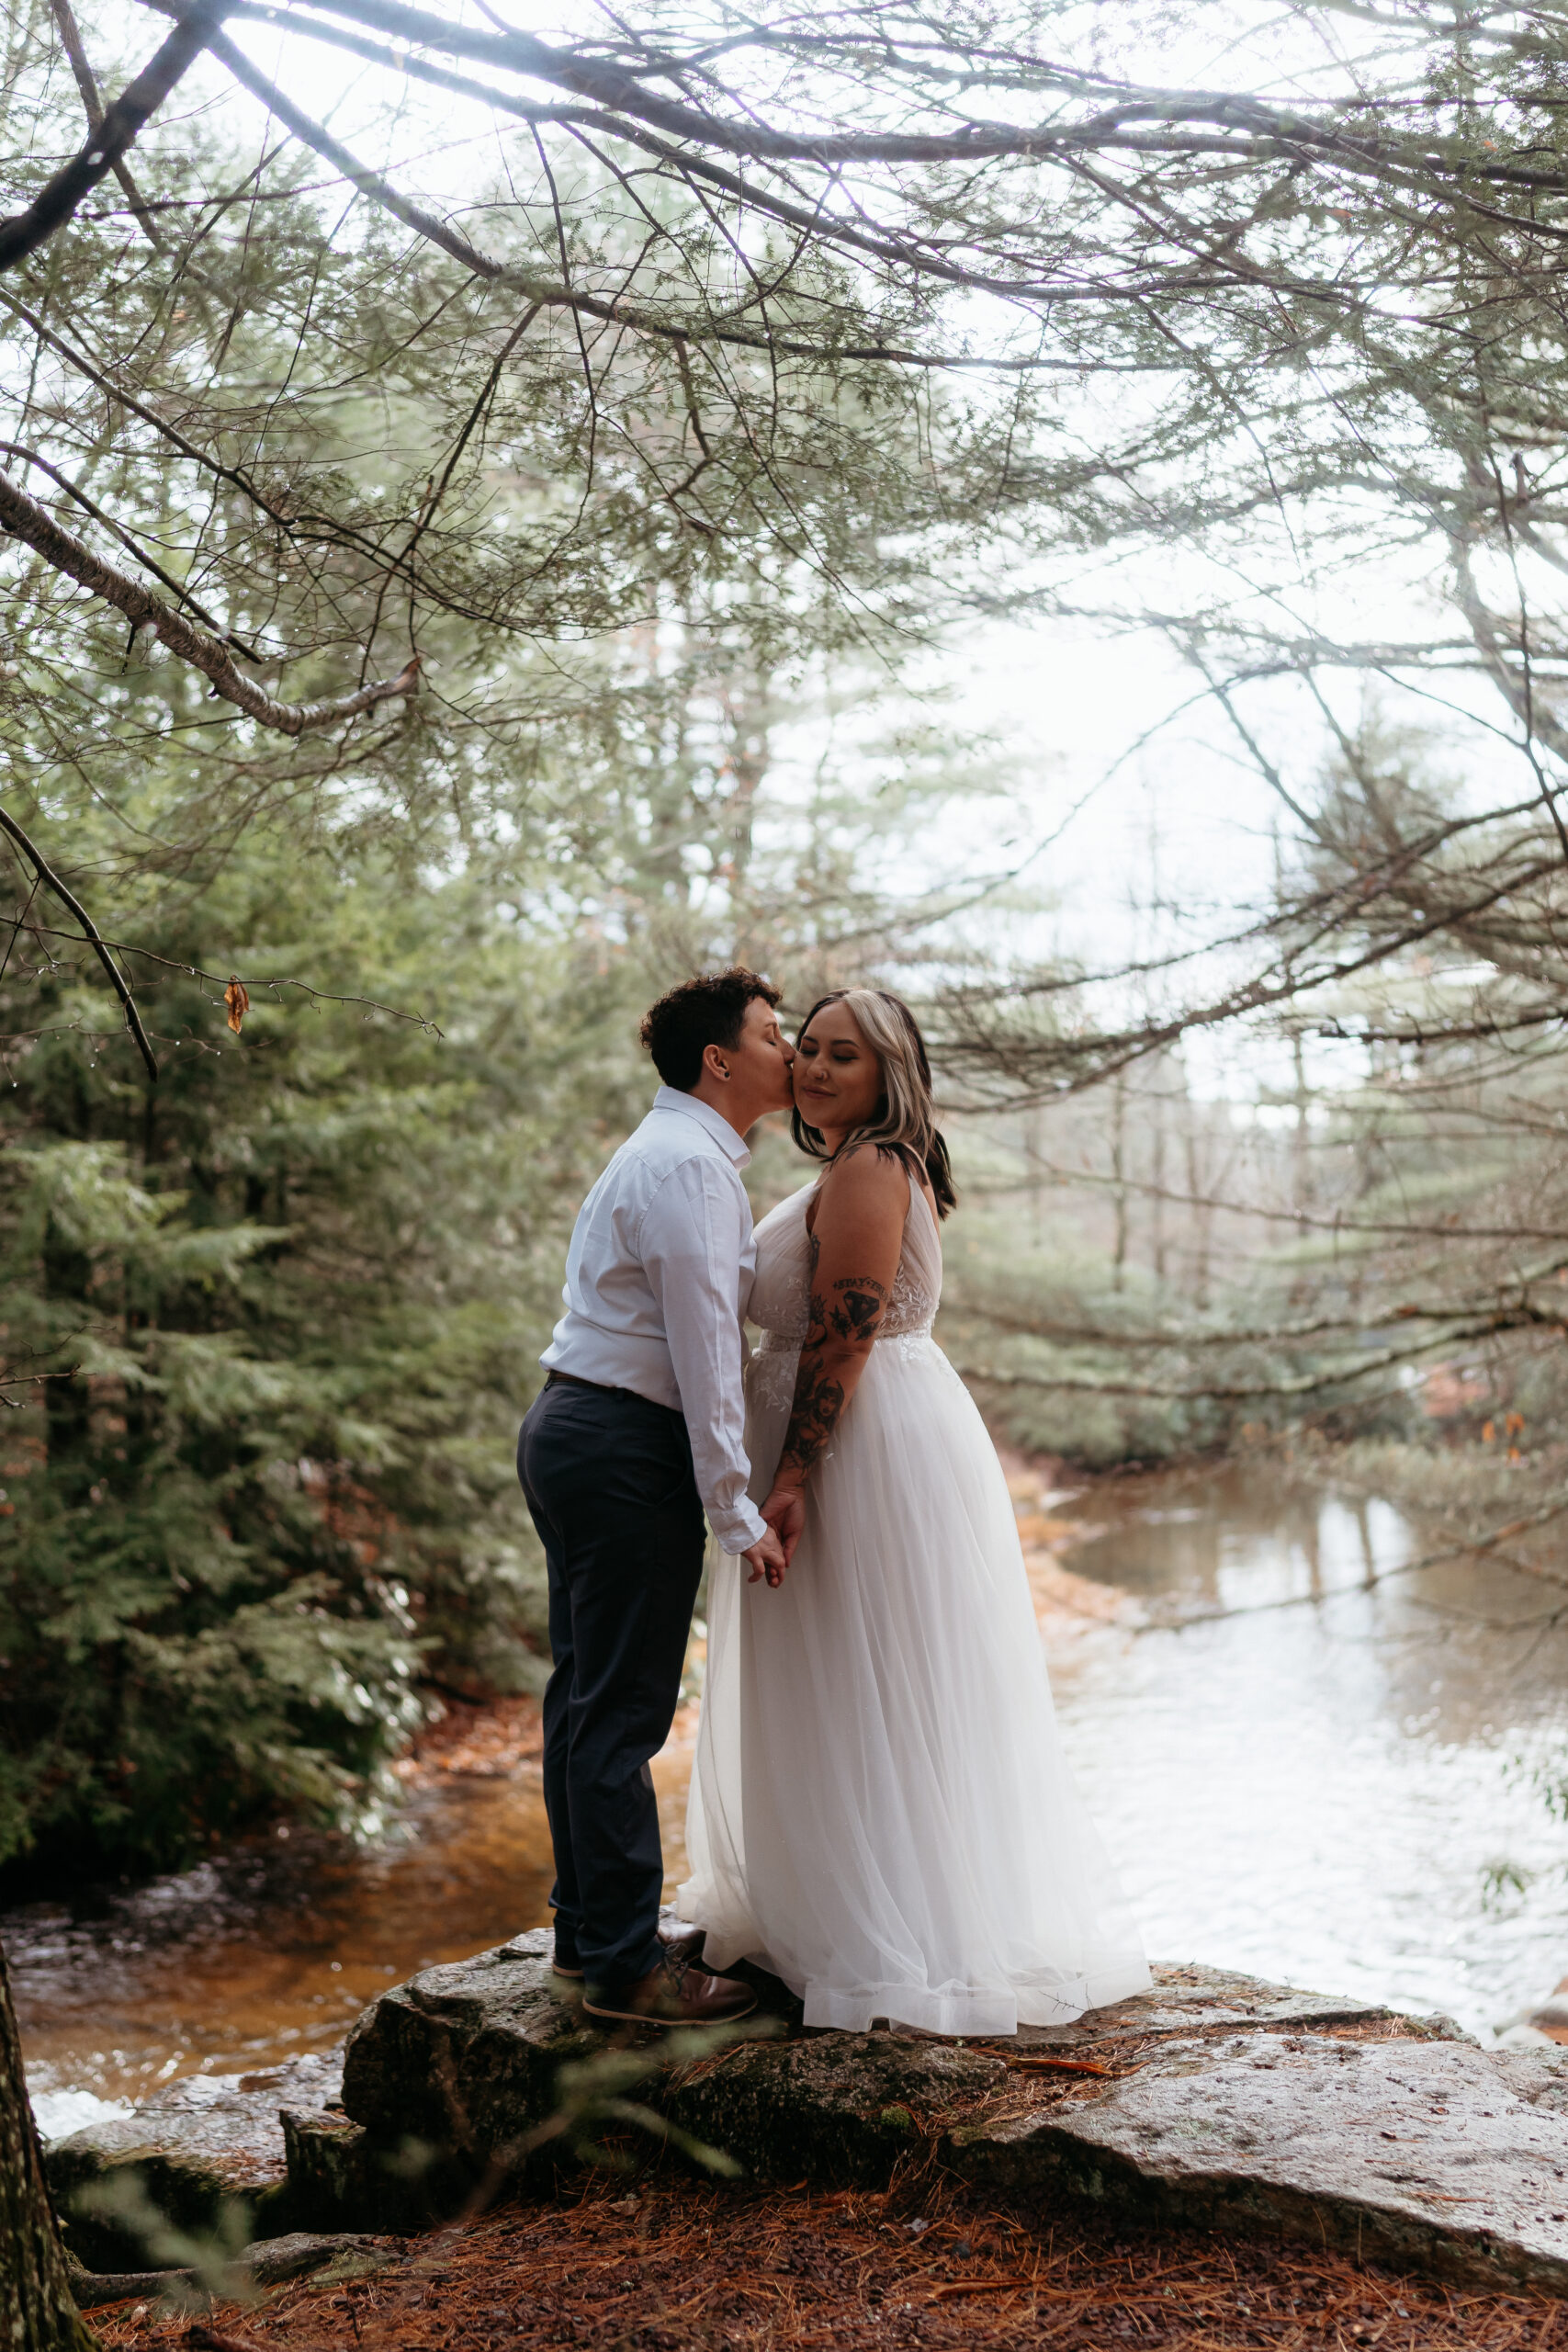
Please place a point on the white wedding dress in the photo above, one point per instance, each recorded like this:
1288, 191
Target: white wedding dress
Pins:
880, 1812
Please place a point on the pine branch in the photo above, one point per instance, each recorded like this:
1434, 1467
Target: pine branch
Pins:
1237, 126
549, 295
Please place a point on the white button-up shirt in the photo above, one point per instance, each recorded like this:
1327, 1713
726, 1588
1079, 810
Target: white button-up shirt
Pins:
657, 1281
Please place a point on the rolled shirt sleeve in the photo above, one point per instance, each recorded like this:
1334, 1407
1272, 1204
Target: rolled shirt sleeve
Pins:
691, 1243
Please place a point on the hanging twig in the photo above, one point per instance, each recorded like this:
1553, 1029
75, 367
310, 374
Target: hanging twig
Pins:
196, 972
46, 874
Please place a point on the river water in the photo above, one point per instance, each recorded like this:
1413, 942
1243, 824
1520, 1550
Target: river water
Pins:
1307, 1763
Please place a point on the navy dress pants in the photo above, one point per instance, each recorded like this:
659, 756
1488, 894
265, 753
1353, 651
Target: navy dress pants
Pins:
608, 1479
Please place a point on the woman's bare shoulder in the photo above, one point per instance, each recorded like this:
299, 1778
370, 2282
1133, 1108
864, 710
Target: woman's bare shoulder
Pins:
866, 1181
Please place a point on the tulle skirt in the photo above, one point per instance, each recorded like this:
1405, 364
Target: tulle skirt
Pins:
880, 1812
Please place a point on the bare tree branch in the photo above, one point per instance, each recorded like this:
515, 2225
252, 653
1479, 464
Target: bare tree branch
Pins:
132, 546
59, 198
26, 520
1247, 129
198, 972
87, 82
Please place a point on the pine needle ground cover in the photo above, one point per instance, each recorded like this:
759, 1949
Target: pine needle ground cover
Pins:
671, 2265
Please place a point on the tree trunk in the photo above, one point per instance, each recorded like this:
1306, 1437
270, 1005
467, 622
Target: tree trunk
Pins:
38, 2313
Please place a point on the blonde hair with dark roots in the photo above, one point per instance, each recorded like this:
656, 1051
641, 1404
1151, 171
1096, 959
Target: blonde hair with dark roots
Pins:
904, 1123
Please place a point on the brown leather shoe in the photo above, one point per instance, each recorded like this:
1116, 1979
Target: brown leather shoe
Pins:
683, 1944
675, 1994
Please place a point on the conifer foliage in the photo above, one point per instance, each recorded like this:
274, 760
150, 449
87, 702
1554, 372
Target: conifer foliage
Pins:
287, 1307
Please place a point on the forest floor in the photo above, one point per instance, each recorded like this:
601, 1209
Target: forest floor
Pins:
669, 2264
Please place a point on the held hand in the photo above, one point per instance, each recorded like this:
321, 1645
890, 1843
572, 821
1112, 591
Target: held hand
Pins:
784, 1511
767, 1558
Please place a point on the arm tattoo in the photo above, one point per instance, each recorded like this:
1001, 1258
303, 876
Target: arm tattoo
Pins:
856, 1314
818, 1401
839, 1333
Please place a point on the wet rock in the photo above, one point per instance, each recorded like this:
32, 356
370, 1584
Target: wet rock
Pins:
466, 2056
1524, 2037
838, 2108
190, 2151
1419, 2152
1192, 1997
1550, 2018
1541, 2025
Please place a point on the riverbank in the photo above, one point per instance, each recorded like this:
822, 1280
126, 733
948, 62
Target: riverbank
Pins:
1212, 2100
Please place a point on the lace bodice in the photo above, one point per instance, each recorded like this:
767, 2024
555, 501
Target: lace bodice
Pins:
781, 1293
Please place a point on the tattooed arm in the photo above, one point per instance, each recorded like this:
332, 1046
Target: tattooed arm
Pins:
855, 1244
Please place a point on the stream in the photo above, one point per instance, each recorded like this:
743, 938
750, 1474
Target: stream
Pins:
1306, 1763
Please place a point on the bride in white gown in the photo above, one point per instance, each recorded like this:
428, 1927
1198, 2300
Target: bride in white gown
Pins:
880, 1812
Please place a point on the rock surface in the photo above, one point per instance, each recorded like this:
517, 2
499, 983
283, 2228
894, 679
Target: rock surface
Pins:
1197, 1998
840, 2108
1230, 2102
466, 2056
193, 2148
1215, 2099
1420, 2152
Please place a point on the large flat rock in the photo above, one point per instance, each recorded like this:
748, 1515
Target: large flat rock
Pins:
467, 2059
1229, 2102
1428, 2153
468, 2055
191, 2150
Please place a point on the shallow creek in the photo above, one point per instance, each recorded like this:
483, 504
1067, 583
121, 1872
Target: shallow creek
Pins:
1306, 1764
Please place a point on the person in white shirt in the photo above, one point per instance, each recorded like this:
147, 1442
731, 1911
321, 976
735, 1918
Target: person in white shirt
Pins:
637, 1432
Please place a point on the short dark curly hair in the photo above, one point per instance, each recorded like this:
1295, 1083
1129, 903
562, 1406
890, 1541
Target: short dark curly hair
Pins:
708, 1010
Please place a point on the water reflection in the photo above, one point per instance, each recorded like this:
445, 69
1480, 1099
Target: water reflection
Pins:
276, 1947
1311, 1761
1305, 1761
